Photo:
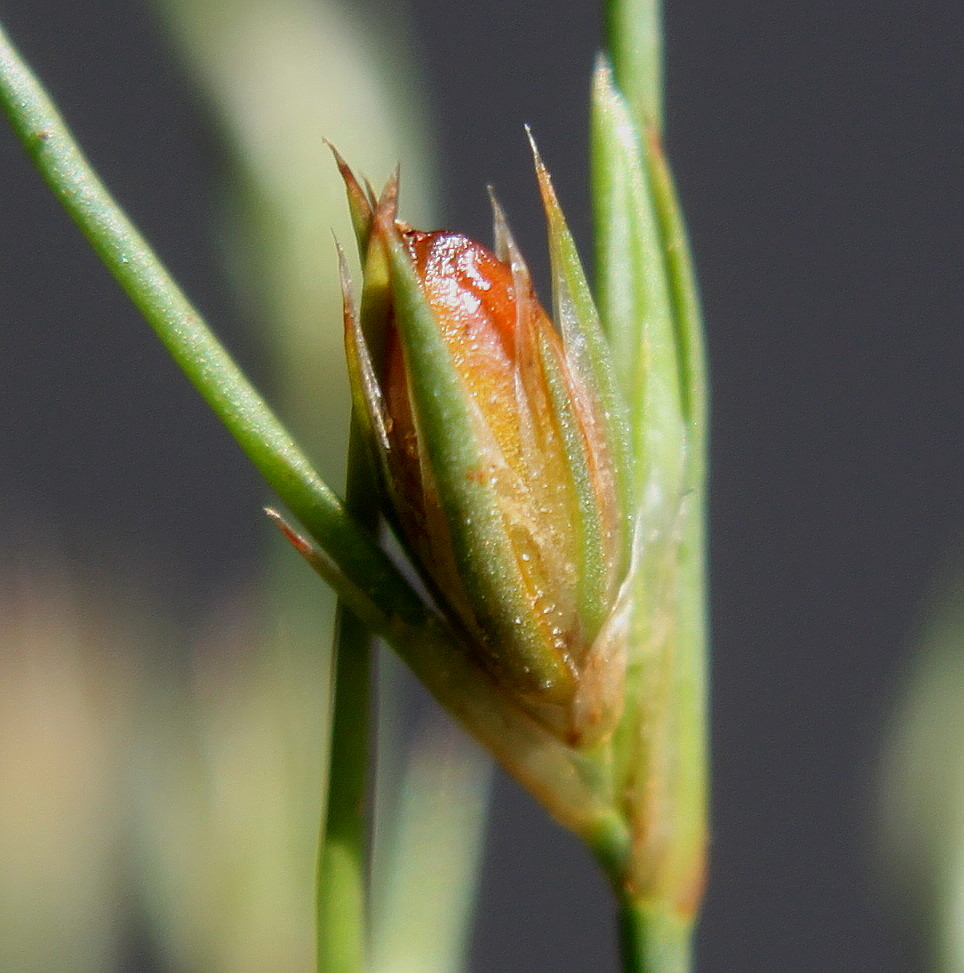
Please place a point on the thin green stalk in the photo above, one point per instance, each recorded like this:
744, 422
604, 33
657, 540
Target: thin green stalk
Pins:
340, 896
653, 940
634, 43
190, 342
656, 932
342, 849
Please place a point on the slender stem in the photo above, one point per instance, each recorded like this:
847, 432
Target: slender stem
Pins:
342, 849
653, 940
634, 43
190, 342
654, 936
340, 894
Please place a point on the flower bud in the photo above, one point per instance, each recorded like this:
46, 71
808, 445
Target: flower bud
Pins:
500, 451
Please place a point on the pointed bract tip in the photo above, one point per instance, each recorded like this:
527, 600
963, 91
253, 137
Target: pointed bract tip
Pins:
550, 202
542, 173
351, 183
372, 195
505, 247
602, 70
498, 213
293, 537
344, 278
386, 210
503, 242
359, 203
536, 155
339, 158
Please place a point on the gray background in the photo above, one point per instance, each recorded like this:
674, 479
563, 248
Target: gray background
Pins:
817, 146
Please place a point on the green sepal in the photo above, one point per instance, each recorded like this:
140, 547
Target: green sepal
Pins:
685, 300
588, 352
450, 436
366, 329
376, 297
550, 375
365, 338
360, 203
594, 567
635, 305
595, 587
366, 394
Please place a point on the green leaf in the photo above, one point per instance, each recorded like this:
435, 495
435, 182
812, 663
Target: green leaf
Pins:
587, 348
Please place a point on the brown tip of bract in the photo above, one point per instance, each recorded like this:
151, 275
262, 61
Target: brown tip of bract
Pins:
502, 239
351, 183
344, 277
536, 156
386, 211
296, 540
386, 227
541, 172
550, 202
359, 203
339, 159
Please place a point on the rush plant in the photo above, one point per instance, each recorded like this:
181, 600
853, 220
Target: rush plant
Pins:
544, 472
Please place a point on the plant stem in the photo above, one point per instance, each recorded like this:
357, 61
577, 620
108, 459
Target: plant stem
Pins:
190, 342
653, 940
634, 43
340, 894
654, 936
342, 849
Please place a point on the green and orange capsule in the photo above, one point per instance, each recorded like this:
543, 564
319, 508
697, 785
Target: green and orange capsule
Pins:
500, 446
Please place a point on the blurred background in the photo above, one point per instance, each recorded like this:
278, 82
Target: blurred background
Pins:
818, 150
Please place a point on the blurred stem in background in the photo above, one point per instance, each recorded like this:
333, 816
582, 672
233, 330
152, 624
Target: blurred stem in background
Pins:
69, 692
922, 784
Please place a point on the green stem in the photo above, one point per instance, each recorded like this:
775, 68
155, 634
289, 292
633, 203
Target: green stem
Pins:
342, 850
190, 342
653, 940
340, 895
654, 937
634, 43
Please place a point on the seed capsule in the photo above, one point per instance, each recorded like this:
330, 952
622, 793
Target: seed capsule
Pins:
499, 458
